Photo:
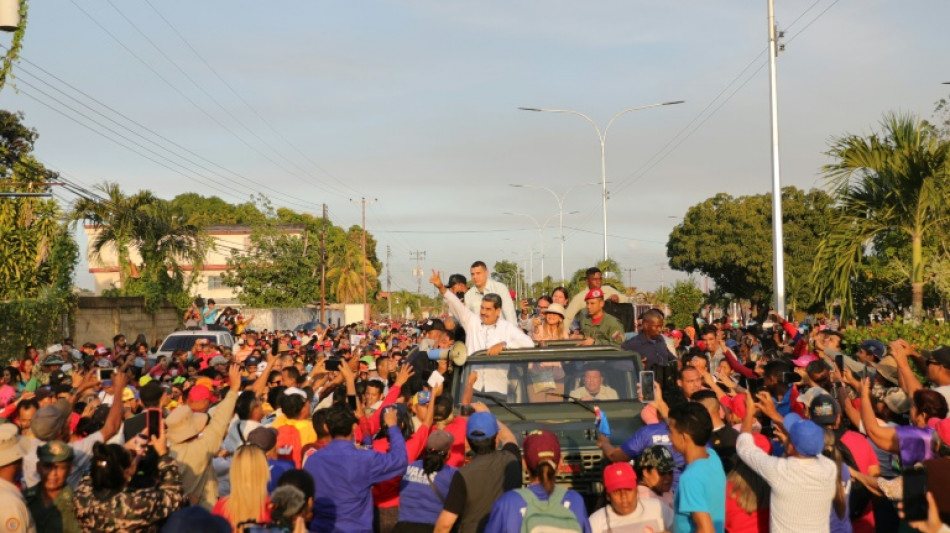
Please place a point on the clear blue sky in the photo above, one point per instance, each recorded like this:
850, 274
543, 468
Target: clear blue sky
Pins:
414, 103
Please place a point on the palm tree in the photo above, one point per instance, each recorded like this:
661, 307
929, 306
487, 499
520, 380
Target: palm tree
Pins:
895, 181
163, 238
116, 219
346, 273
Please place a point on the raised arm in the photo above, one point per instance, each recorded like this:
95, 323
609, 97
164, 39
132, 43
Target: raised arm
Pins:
883, 437
908, 380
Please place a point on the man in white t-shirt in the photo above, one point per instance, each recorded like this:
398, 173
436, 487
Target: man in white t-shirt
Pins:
625, 513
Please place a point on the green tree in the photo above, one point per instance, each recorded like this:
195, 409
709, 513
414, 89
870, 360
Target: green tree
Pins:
38, 252
147, 224
685, 299
275, 271
202, 211
509, 273
892, 181
347, 270
730, 240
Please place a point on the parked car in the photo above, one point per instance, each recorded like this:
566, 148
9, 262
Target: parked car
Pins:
185, 340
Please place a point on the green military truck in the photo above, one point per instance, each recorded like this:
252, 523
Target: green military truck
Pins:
550, 387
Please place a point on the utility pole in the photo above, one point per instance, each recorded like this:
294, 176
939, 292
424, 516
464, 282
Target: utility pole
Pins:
418, 256
778, 244
629, 272
389, 280
362, 202
323, 267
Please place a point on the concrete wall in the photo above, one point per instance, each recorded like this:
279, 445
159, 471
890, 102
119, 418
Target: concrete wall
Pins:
290, 318
98, 319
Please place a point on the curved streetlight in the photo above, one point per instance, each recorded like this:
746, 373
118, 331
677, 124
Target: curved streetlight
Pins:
602, 136
540, 227
560, 211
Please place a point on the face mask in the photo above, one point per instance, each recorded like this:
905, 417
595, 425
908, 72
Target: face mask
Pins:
309, 368
460, 295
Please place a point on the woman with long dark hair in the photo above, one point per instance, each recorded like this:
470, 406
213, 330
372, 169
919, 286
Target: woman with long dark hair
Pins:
425, 485
542, 456
107, 502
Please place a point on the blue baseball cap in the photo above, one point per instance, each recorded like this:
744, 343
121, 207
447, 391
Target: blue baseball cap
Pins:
481, 426
874, 347
807, 437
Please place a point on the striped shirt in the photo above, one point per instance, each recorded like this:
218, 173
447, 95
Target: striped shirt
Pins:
802, 487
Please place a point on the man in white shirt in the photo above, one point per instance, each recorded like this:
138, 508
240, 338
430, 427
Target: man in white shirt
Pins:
627, 512
482, 284
485, 331
14, 515
804, 479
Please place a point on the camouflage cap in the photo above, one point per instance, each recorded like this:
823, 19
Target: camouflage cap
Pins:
658, 457
55, 451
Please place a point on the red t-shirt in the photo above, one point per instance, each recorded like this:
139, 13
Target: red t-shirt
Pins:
386, 493
457, 453
739, 521
865, 458
220, 511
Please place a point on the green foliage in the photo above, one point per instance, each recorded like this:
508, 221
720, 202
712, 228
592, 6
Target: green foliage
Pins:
685, 299
275, 271
38, 252
38, 321
923, 335
730, 240
893, 184
13, 52
161, 235
417, 305
203, 211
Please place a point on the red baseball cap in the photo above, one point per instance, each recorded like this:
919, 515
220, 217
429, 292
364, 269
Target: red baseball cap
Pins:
736, 404
199, 393
541, 446
619, 476
594, 293
942, 429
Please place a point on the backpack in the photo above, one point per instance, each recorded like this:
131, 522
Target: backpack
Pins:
550, 516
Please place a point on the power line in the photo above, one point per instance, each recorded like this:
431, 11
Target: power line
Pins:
244, 101
208, 94
180, 92
223, 188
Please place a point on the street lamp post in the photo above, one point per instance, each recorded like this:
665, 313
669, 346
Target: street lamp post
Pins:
602, 136
540, 235
560, 212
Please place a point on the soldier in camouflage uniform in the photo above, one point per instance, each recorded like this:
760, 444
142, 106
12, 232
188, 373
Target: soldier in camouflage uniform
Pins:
106, 503
51, 500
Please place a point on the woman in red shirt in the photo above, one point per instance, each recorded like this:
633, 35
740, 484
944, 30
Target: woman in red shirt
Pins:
747, 496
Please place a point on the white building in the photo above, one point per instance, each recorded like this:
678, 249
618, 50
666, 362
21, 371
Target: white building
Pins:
105, 269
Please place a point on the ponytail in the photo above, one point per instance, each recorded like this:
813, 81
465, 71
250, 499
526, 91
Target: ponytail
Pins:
546, 476
831, 451
109, 463
434, 461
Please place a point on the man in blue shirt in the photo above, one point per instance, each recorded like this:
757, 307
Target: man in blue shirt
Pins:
699, 504
344, 475
649, 435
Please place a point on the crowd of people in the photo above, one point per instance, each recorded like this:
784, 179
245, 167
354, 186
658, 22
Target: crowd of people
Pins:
765, 427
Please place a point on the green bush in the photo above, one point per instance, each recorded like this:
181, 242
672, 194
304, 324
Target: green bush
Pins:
38, 321
921, 335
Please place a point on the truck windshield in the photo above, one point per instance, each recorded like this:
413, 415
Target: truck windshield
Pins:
184, 342
550, 381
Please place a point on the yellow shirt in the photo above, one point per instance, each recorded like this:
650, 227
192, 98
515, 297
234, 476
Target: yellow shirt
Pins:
305, 427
